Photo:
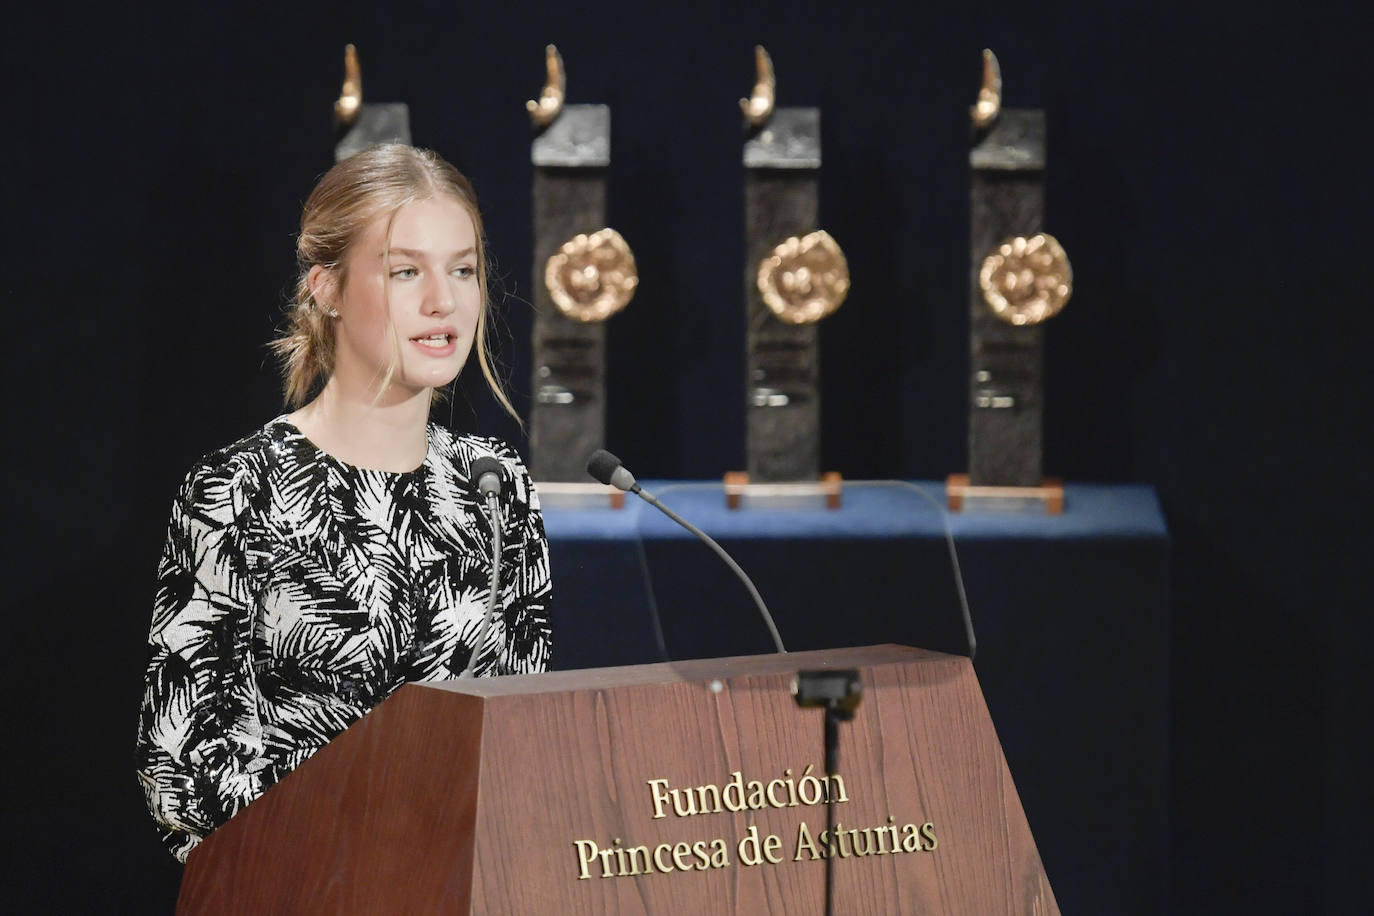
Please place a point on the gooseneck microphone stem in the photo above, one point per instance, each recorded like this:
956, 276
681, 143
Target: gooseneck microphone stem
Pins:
608, 469
488, 474
720, 552
964, 612
494, 513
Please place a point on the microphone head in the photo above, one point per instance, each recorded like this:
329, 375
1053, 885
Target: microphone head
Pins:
602, 465
486, 472
606, 468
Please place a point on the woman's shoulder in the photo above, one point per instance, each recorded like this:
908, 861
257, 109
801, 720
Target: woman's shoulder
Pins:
230, 476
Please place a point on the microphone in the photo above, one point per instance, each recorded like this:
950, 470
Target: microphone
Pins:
486, 473
607, 468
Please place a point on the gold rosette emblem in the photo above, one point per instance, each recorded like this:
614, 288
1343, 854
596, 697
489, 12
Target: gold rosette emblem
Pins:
1027, 280
804, 279
592, 276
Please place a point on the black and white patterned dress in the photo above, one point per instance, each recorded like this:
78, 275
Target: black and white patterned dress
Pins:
296, 592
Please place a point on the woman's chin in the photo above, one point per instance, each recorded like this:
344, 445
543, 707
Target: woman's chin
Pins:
434, 376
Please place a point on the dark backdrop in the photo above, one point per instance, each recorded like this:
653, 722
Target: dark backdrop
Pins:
1204, 176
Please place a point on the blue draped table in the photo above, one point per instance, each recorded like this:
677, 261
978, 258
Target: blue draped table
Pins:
1071, 615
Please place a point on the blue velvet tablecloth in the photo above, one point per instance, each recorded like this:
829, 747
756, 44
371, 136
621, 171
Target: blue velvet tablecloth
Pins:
1071, 615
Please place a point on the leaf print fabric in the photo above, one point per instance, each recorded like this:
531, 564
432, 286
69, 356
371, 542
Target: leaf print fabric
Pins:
295, 592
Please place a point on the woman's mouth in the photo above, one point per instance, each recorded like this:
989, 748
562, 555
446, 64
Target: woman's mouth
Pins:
436, 344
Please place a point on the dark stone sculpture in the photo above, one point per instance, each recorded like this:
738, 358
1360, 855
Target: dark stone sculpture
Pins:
568, 417
1006, 376
781, 190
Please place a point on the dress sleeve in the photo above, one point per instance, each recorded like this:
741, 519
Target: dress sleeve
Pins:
527, 596
199, 747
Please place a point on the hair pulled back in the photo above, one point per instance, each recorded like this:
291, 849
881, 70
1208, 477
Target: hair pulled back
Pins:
376, 182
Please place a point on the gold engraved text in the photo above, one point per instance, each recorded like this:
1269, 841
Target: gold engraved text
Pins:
739, 795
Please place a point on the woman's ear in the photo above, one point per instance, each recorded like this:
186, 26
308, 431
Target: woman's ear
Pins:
323, 289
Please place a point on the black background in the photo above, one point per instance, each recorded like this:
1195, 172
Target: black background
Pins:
1206, 177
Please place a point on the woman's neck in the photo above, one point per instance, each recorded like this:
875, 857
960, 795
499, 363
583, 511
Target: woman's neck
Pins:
389, 435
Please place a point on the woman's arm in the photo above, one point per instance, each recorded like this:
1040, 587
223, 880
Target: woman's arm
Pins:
527, 598
199, 747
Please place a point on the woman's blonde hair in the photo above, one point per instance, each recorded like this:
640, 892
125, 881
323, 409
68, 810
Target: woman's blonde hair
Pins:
376, 182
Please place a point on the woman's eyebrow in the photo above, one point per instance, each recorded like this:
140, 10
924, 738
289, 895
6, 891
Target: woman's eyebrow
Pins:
421, 255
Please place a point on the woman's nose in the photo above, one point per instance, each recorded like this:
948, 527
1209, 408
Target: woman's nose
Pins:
439, 296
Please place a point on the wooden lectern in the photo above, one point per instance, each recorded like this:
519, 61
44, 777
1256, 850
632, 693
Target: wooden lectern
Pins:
687, 788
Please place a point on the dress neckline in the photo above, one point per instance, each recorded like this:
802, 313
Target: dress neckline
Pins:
353, 468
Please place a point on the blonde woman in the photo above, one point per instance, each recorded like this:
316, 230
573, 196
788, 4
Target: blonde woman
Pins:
341, 551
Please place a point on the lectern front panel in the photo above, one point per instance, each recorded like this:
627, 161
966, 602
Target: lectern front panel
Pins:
688, 788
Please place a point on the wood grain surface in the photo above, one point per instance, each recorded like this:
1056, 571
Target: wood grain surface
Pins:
470, 797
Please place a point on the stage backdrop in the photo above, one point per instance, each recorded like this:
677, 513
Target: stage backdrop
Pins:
1205, 177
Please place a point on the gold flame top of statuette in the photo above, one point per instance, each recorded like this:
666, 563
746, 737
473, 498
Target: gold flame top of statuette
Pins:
1027, 280
804, 279
989, 104
350, 98
592, 276
546, 109
758, 108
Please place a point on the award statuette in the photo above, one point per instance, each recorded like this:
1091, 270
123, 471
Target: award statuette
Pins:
1019, 278
794, 276
366, 124
583, 274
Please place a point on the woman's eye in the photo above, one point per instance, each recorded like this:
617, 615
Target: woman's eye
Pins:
464, 272
403, 273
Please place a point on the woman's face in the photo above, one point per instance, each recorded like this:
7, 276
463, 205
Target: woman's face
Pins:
431, 287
